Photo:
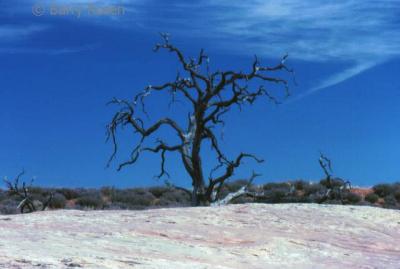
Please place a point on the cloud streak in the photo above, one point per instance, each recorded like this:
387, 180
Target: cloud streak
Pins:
362, 32
336, 79
17, 32
315, 31
47, 51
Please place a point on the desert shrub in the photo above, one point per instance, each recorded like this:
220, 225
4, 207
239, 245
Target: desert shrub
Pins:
9, 206
139, 191
279, 185
116, 206
58, 201
174, 197
108, 191
70, 194
314, 188
3, 195
306, 199
318, 197
39, 191
397, 195
300, 185
383, 190
390, 201
294, 198
335, 182
134, 197
90, 201
40, 194
158, 191
277, 195
371, 198
351, 198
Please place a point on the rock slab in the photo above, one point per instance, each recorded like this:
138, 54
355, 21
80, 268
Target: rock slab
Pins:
258, 236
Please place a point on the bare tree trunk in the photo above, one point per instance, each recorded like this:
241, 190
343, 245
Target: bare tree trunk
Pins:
198, 194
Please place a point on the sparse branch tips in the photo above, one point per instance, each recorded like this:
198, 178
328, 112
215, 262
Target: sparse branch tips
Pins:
335, 187
26, 204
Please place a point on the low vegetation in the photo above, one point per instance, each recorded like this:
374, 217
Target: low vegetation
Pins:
111, 198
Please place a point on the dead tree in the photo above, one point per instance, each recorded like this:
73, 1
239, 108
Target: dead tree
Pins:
210, 96
26, 204
335, 187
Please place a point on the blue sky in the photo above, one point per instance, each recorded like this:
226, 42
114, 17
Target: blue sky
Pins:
57, 72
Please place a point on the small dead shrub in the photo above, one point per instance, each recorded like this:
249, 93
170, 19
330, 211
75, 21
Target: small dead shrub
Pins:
108, 191
70, 194
300, 185
90, 201
383, 190
58, 201
315, 189
390, 202
279, 185
371, 198
174, 197
335, 182
158, 191
397, 195
9, 206
351, 198
134, 197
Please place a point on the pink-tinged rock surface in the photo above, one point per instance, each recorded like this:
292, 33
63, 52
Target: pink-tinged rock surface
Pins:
236, 236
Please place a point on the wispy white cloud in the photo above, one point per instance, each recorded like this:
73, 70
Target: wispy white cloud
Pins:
47, 51
363, 33
312, 30
10, 34
344, 75
337, 78
16, 32
320, 30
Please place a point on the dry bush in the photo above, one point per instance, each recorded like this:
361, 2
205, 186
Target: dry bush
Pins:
158, 191
371, 198
134, 197
314, 189
351, 198
174, 197
390, 194
390, 202
3, 195
69, 193
300, 184
386, 189
397, 195
92, 201
108, 191
335, 182
9, 206
277, 185
58, 201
